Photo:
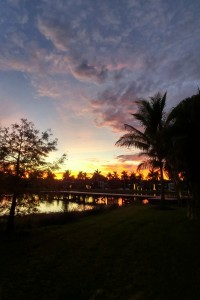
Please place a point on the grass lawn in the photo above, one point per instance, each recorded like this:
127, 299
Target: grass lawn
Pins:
131, 253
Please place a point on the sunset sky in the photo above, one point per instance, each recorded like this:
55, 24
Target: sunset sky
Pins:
77, 66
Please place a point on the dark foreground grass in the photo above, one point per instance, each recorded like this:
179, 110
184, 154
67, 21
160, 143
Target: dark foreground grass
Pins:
131, 253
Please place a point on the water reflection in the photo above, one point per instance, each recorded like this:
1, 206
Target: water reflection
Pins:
145, 201
60, 202
61, 206
48, 203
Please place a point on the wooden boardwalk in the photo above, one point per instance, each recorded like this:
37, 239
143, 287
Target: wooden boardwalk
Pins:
90, 193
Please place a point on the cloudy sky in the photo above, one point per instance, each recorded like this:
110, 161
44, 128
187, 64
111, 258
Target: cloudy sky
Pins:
77, 66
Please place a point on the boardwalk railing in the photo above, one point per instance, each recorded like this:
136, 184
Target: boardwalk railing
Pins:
100, 196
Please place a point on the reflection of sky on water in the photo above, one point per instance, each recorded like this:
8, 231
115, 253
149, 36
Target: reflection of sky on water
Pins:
33, 203
60, 206
53, 206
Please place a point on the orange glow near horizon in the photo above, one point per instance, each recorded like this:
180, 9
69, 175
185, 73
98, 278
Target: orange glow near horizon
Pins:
119, 170
104, 171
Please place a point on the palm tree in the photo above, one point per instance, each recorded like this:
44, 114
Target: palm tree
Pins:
109, 176
98, 179
68, 179
150, 141
115, 175
97, 172
85, 176
80, 175
153, 175
67, 175
124, 178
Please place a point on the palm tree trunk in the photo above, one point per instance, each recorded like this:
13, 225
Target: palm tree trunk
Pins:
162, 197
176, 182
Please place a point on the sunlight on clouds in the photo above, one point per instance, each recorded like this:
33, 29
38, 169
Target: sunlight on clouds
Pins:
54, 32
79, 66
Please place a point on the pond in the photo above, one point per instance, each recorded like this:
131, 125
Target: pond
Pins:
52, 202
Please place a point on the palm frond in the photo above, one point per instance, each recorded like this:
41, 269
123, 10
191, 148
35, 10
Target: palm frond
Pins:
131, 140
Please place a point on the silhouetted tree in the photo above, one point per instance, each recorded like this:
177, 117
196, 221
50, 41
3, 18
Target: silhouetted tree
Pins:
109, 176
151, 141
153, 175
23, 149
80, 175
184, 123
124, 178
67, 179
98, 179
